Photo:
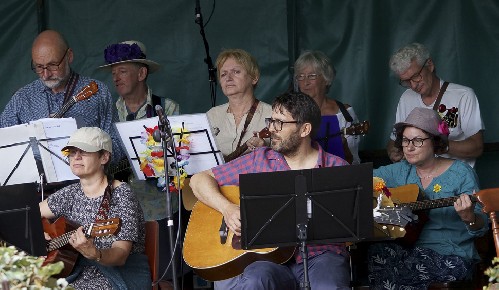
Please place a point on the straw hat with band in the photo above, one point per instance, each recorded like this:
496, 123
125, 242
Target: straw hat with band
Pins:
128, 51
427, 120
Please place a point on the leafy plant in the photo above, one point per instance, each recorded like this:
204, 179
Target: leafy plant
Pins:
493, 273
23, 271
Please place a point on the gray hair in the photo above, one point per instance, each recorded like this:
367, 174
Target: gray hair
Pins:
401, 60
319, 62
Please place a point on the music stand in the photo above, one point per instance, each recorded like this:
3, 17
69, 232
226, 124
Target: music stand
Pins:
321, 205
20, 219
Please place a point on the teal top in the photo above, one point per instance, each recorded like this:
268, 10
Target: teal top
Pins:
444, 232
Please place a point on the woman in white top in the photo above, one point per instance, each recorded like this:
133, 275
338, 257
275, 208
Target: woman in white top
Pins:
313, 76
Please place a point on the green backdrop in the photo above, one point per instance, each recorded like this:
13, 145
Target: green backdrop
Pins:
358, 35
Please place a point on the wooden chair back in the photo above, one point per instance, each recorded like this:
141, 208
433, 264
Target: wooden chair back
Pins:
152, 250
489, 198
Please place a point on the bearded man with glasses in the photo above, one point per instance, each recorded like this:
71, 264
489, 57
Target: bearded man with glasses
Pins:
457, 105
295, 120
57, 83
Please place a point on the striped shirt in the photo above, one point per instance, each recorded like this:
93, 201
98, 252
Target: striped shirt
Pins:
264, 159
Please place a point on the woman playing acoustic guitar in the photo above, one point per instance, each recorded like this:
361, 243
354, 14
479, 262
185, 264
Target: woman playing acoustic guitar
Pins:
110, 262
445, 249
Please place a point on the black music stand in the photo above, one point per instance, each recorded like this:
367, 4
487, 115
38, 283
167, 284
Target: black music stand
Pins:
20, 219
321, 205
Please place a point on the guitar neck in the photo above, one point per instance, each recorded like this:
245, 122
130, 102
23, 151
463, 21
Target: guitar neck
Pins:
435, 203
65, 108
60, 241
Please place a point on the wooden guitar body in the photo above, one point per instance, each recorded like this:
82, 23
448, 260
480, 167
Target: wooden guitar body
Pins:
59, 249
214, 260
67, 254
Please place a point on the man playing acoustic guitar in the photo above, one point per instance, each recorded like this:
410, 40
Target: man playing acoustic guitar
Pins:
293, 125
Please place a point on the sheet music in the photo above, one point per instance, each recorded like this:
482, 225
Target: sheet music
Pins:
13, 144
203, 149
57, 131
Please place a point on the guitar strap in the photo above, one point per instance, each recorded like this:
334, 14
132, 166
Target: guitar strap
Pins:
103, 211
440, 94
73, 80
344, 111
248, 120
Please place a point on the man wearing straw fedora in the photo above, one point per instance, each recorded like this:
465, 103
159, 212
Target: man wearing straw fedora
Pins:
130, 68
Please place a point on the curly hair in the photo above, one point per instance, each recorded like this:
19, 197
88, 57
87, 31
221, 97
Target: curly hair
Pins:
302, 108
439, 144
401, 60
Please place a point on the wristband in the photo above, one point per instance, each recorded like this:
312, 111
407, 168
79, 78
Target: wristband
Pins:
100, 256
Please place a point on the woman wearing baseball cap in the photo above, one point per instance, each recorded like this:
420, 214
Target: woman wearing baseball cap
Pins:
445, 249
110, 262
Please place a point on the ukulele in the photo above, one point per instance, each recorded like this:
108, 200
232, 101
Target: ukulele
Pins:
60, 230
85, 93
264, 133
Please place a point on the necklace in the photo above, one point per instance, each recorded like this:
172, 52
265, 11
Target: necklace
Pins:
430, 175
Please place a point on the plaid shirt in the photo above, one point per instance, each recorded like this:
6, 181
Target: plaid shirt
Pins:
264, 159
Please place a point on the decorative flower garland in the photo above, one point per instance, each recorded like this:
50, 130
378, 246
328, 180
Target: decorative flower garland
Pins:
122, 51
152, 161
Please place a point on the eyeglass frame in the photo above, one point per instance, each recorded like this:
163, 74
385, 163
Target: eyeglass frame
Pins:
73, 152
270, 121
417, 77
302, 77
55, 67
409, 141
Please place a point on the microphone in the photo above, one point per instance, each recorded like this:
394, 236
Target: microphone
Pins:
197, 13
164, 131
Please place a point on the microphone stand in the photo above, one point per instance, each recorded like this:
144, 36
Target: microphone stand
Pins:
166, 140
211, 69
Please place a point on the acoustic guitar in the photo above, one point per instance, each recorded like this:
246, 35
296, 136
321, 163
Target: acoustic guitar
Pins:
59, 249
85, 93
214, 256
401, 217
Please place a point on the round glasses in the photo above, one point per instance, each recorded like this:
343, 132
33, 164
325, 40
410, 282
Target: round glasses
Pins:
415, 78
277, 123
302, 77
50, 67
417, 142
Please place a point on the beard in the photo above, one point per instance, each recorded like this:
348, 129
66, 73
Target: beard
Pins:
54, 82
288, 146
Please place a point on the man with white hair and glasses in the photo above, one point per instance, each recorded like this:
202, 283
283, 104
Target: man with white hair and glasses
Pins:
457, 105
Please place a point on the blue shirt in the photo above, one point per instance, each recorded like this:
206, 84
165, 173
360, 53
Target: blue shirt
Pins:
36, 101
444, 232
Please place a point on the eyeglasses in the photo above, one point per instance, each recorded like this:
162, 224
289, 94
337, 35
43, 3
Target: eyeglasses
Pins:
50, 67
277, 123
417, 142
72, 153
302, 77
415, 78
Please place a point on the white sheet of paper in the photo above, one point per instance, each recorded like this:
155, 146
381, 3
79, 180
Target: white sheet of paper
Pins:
203, 151
13, 143
56, 132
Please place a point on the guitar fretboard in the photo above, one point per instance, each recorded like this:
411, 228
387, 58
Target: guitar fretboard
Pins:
59, 242
434, 203
65, 108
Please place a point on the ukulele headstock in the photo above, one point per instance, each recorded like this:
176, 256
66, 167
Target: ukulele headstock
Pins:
103, 228
357, 129
87, 91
